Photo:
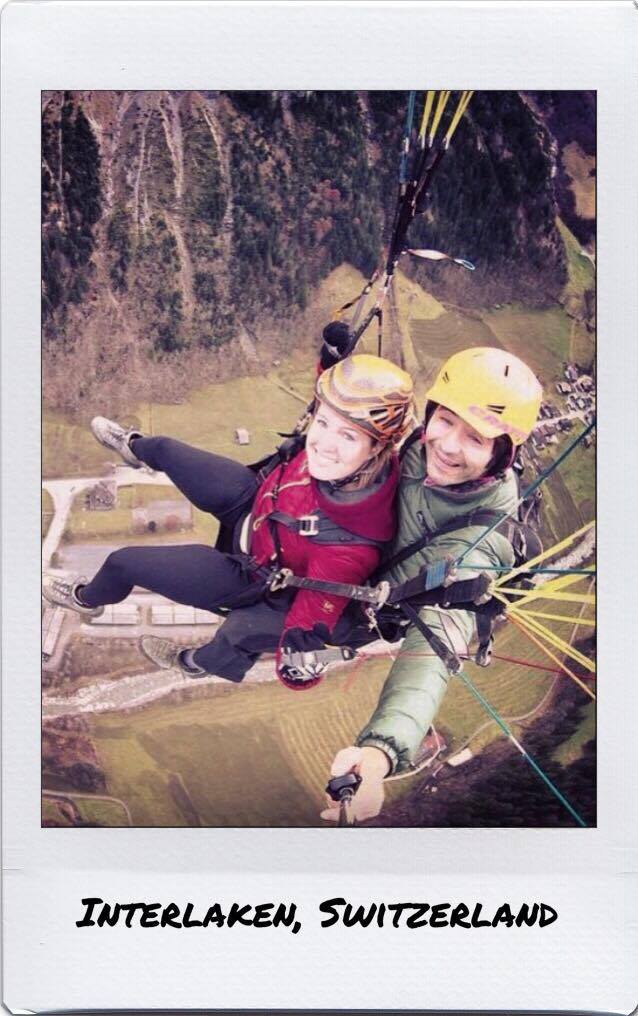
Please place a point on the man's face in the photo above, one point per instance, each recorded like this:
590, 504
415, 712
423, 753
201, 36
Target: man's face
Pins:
454, 451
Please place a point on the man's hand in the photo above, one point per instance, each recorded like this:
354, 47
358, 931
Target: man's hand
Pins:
372, 765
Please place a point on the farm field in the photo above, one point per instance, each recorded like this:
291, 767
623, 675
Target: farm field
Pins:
540, 336
581, 169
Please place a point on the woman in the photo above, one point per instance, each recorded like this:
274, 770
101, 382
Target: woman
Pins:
324, 513
481, 408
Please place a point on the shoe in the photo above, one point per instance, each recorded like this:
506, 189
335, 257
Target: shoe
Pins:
111, 435
62, 593
167, 655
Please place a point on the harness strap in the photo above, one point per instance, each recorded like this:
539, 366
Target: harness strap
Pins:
450, 659
410, 440
471, 594
481, 517
320, 528
285, 578
286, 451
467, 591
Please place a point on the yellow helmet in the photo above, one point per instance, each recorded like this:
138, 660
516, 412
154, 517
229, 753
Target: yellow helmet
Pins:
492, 390
372, 393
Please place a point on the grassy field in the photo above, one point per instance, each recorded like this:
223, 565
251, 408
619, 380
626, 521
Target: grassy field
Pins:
540, 336
581, 276
452, 331
103, 526
580, 168
207, 419
259, 754
572, 749
104, 813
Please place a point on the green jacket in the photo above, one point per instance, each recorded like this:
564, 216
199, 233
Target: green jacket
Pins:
418, 679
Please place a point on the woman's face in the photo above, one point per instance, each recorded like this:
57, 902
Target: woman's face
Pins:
455, 452
335, 448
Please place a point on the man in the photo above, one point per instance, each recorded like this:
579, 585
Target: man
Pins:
479, 411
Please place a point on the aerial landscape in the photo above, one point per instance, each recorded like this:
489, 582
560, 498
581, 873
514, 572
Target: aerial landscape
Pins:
194, 246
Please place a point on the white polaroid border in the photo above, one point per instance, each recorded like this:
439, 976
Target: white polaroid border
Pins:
588, 959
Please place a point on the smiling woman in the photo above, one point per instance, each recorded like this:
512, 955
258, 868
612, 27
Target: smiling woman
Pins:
324, 511
336, 449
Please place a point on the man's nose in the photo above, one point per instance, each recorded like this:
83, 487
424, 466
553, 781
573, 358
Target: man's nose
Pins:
451, 441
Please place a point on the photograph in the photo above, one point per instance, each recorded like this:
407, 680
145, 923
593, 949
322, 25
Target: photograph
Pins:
318, 516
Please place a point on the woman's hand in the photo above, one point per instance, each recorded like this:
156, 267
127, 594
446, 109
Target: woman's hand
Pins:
372, 765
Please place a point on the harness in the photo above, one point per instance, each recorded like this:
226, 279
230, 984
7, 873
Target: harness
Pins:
317, 527
392, 608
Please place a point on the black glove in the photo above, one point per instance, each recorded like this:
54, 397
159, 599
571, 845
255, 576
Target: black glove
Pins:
336, 343
297, 664
300, 640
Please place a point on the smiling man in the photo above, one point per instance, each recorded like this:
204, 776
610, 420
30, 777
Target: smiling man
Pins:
480, 409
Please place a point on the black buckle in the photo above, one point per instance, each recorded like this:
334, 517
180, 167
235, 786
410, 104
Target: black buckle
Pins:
308, 525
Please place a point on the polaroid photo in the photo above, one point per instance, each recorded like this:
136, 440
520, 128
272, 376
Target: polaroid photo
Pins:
322, 383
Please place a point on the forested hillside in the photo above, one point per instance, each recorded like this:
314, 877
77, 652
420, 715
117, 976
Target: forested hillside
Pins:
181, 224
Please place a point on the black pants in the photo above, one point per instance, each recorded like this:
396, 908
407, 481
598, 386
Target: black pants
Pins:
195, 574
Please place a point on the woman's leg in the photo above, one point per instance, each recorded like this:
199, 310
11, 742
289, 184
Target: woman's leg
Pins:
211, 482
242, 638
192, 574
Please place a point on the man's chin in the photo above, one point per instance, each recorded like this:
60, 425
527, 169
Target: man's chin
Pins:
443, 478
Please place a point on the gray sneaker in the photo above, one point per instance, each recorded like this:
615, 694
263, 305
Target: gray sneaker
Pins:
166, 654
111, 435
62, 593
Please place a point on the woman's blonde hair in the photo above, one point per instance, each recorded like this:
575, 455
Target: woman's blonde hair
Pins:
374, 468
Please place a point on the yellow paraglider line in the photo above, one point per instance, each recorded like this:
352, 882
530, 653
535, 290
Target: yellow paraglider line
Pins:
456, 119
427, 109
553, 640
558, 617
438, 113
544, 555
540, 594
548, 652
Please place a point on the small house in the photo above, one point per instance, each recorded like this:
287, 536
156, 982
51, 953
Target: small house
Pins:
101, 497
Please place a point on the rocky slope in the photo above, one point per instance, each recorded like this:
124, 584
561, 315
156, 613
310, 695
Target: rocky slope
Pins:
178, 224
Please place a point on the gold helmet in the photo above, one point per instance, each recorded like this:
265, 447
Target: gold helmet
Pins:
374, 394
492, 390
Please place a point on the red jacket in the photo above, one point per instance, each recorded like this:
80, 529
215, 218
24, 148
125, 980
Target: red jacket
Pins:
299, 494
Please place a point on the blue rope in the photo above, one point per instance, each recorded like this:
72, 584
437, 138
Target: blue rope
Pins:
531, 571
407, 130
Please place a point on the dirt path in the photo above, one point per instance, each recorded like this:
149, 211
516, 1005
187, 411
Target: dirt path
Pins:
138, 179
185, 267
169, 112
71, 795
